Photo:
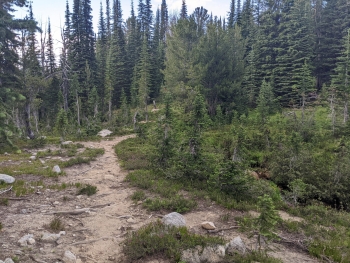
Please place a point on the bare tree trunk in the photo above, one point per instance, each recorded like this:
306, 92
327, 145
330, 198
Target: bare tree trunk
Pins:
110, 110
35, 115
303, 109
332, 112
78, 107
346, 114
29, 130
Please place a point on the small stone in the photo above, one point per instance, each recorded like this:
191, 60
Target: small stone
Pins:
67, 142
23, 211
42, 161
18, 252
32, 157
56, 169
23, 241
174, 219
8, 260
208, 225
130, 220
31, 241
48, 237
7, 179
56, 203
69, 257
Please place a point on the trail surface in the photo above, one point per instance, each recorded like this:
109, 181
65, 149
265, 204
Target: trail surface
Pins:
96, 234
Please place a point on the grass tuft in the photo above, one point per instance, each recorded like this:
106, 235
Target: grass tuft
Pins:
156, 238
55, 225
88, 190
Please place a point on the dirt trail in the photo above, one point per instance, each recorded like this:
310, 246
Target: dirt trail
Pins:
102, 228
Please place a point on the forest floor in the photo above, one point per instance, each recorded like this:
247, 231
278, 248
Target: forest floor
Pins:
95, 226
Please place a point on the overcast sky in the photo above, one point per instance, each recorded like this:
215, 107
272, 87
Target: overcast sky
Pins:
55, 9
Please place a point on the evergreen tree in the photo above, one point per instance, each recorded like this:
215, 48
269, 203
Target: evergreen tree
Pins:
266, 101
164, 20
231, 15
144, 79
108, 18
50, 55
341, 80
183, 13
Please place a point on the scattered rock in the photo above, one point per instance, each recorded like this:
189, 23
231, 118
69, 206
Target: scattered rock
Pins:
56, 203
48, 237
7, 179
8, 260
212, 254
31, 241
130, 220
104, 133
208, 225
56, 169
42, 161
32, 157
24, 241
67, 142
236, 245
174, 219
1, 261
69, 257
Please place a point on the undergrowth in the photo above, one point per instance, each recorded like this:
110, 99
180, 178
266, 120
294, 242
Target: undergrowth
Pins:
156, 238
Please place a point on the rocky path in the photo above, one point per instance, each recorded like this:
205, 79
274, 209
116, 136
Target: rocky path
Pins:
96, 233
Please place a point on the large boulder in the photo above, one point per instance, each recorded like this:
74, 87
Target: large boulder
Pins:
236, 245
174, 219
7, 179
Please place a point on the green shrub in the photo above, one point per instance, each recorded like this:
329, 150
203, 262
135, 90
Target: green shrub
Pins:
176, 203
88, 190
56, 225
138, 196
156, 238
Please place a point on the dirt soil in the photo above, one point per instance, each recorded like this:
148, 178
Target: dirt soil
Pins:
96, 234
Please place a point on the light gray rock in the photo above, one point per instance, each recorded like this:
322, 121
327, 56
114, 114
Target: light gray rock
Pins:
104, 133
67, 142
8, 260
7, 179
212, 254
31, 241
174, 219
48, 237
23, 241
69, 257
56, 169
191, 255
1, 261
208, 225
32, 157
236, 245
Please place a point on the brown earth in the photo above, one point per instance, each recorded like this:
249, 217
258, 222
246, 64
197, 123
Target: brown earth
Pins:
97, 234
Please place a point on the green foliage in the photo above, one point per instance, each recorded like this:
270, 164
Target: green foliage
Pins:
156, 238
138, 196
4, 201
61, 122
175, 203
298, 190
87, 190
267, 220
56, 225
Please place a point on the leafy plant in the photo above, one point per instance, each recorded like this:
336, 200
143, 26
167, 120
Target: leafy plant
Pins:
88, 190
138, 195
56, 225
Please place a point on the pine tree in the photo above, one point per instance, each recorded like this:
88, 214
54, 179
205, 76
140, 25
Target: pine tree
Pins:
183, 13
341, 80
50, 55
164, 20
266, 101
231, 15
108, 18
144, 78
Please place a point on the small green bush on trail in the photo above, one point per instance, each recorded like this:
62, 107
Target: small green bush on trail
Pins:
88, 190
156, 238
